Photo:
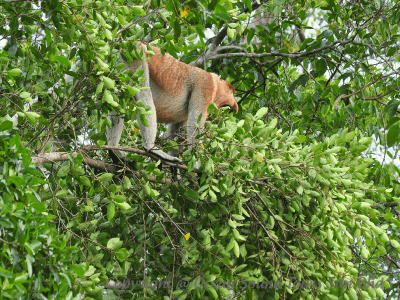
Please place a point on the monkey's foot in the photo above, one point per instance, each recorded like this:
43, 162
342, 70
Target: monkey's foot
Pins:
165, 156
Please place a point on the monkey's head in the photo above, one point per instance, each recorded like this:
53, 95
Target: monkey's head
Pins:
225, 96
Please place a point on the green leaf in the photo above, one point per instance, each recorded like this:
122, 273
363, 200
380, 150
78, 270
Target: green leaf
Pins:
138, 10
328, 33
238, 217
223, 17
31, 116
38, 206
18, 181
243, 250
395, 244
301, 139
105, 177
127, 183
293, 86
99, 88
24, 95
14, 72
349, 136
365, 68
78, 159
123, 205
119, 198
393, 135
4, 273
250, 34
62, 193
64, 170
6, 125
122, 254
233, 25
303, 79
392, 121
177, 30
312, 173
232, 223
112, 242
212, 292
132, 90
225, 231
110, 211
236, 249
391, 51
248, 4
48, 36
108, 34
231, 33
392, 108
85, 180
300, 189
63, 60
144, 121
109, 98
365, 252
388, 216
192, 194
109, 82
212, 4
261, 112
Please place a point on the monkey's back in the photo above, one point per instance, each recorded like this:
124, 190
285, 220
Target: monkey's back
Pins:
173, 83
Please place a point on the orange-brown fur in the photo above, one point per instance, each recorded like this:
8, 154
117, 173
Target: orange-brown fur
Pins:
179, 94
171, 76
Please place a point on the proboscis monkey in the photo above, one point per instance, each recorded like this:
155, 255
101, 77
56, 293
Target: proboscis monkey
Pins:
179, 94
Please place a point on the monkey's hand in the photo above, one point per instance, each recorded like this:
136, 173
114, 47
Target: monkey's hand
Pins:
164, 155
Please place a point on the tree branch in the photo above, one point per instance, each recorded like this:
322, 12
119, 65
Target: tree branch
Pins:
278, 54
212, 50
138, 151
343, 96
385, 204
63, 156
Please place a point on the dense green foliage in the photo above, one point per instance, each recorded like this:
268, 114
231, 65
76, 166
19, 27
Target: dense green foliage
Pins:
286, 190
35, 261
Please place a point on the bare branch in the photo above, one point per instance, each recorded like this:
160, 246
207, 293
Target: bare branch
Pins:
381, 96
360, 90
278, 54
219, 38
386, 204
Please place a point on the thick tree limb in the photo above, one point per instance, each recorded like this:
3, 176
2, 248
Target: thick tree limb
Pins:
63, 156
134, 150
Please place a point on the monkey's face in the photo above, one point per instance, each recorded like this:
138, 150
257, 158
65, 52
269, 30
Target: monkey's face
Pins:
225, 96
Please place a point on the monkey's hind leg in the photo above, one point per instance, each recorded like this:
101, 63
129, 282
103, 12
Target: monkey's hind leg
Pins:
149, 136
114, 134
149, 133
